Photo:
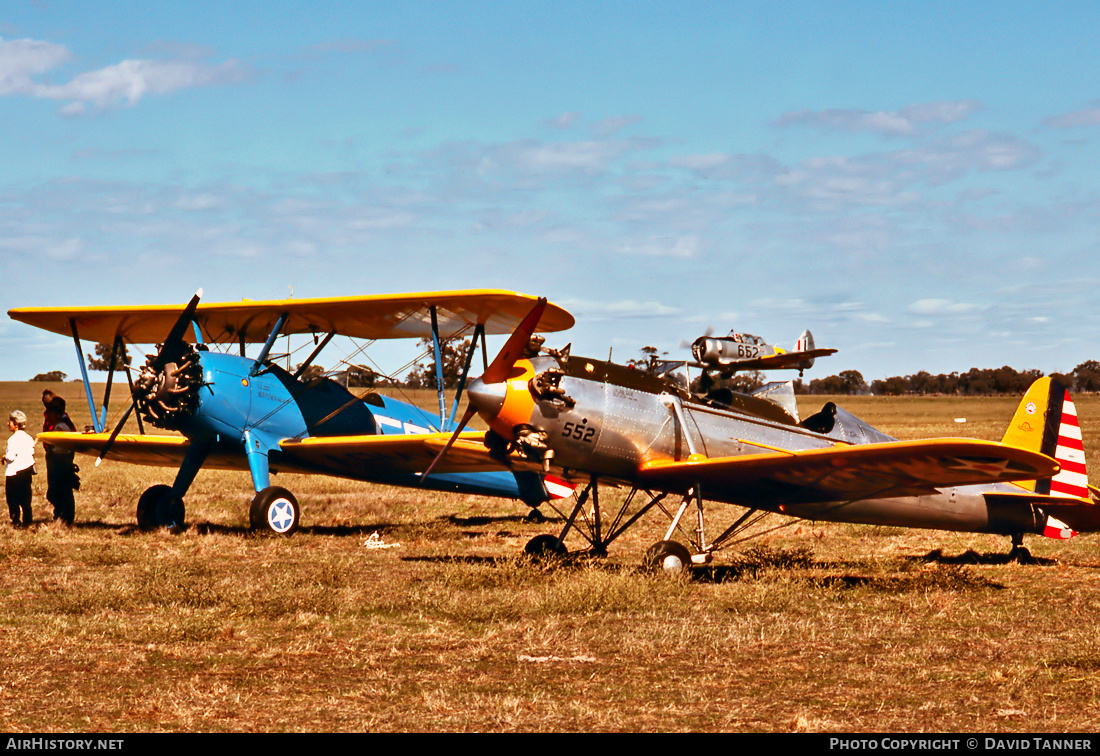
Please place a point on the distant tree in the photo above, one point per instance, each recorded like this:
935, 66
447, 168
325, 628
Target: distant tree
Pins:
423, 374
894, 386
746, 382
361, 376
742, 383
1064, 379
53, 375
648, 362
1086, 376
101, 360
313, 372
853, 382
848, 382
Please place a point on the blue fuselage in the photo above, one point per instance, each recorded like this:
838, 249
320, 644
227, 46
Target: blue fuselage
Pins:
241, 412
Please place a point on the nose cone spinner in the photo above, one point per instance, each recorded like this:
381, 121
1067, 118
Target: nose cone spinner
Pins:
487, 398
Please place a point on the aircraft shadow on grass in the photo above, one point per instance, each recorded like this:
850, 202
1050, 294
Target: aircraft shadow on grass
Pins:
751, 566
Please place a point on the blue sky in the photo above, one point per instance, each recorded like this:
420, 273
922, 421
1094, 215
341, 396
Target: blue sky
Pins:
915, 182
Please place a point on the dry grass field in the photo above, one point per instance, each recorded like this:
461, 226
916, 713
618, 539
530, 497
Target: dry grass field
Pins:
396, 610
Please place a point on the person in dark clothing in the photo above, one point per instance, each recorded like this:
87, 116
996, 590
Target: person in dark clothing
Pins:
60, 470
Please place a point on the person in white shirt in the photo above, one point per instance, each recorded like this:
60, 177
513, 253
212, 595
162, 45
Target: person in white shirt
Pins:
19, 459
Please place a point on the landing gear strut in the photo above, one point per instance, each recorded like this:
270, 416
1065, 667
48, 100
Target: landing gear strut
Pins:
588, 521
1019, 552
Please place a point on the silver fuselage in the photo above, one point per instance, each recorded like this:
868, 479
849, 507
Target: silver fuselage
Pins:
617, 419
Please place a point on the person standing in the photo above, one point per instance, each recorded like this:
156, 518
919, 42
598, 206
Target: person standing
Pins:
60, 470
19, 459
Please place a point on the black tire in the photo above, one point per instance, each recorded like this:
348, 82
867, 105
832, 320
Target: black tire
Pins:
275, 510
157, 507
668, 556
545, 547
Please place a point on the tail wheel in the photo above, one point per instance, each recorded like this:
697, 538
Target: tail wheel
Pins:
275, 510
157, 507
668, 556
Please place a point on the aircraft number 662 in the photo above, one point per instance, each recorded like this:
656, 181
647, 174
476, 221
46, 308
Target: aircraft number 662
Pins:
578, 432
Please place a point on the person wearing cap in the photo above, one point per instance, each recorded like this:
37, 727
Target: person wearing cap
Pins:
19, 459
60, 470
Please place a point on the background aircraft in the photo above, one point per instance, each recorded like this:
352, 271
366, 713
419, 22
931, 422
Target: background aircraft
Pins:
595, 420
239, 412
743, 351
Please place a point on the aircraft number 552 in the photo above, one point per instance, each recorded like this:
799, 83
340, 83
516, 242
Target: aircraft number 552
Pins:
578, 432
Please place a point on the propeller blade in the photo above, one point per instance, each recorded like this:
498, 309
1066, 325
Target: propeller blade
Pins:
114, 434
178, 330
501, 365
166, 351
498, 370
470, 412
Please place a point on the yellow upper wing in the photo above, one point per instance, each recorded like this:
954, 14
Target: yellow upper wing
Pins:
843, 473
390, 316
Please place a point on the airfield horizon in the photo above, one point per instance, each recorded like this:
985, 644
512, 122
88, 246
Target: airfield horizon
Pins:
403, 610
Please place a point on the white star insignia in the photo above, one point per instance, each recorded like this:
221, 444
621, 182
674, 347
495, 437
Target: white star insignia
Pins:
281, 516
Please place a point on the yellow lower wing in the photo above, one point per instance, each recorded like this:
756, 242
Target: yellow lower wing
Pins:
410, 453
842, 473
162, 451
364, 457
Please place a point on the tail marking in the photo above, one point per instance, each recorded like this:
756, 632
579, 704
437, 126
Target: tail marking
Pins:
1072, 480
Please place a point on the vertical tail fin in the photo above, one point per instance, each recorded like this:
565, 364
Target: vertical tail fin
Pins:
805, 343
1046, 422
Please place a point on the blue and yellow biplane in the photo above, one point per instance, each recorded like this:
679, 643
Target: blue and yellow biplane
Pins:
239, 412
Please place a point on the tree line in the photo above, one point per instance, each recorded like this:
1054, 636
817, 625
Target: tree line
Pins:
975, 382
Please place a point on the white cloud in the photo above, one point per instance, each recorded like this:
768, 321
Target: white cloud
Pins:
564, 121
943, 307
953, 156
127, 82
906, 122
623, 308
586, 156
663, 246
1089, 116
122, 84
609, 126
201, 201
22, 59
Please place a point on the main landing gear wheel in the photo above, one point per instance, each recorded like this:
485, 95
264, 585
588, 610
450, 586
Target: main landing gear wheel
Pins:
275, 510
668, 556
545, 547
157, 507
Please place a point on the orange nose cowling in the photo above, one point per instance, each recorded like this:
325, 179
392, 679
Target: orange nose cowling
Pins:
505, 405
